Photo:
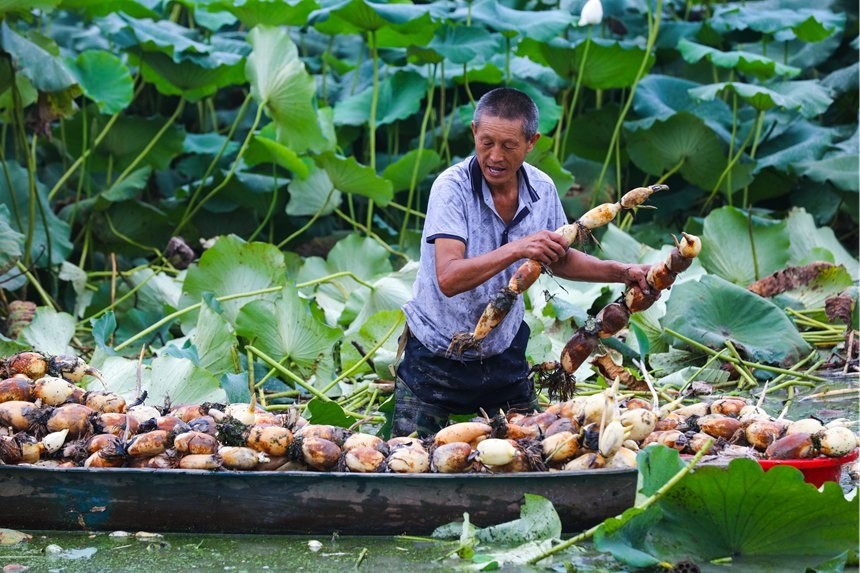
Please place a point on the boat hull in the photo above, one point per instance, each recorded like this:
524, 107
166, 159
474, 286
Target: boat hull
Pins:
197, 501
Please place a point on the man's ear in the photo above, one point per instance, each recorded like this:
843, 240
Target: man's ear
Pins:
533, 140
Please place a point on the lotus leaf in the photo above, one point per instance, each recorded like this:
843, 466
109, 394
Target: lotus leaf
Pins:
231, 267
713, 311
743, 249
761, 521
288, 327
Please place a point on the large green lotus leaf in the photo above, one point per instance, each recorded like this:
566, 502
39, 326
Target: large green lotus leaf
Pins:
802, 142
348, 176
50, 332
809, 25
129, 226
188, 78
125, 141
233, 266
209, 144
608, 64
541, 25
314, 194
51, 244
838, 168
101, 8
280, 82
104, 79
807, 97
530, 78
714, 310
660, 97
265, 149
408, 165
542, 157
727, 251
215, 342
45, 70
373, 332
287, 327
166, 380
399, 97
589, 135
685, 140
806, 238
25, 6
843, 80
462, 44
764, 521
269, 12
361, 256
744, 62
369, 16
146, 34
390, 292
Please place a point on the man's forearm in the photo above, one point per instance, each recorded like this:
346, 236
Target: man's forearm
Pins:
579, 266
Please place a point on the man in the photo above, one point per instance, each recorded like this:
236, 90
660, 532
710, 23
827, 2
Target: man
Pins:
485, 216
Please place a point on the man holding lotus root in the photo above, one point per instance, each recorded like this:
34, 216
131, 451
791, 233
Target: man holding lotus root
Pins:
486, 216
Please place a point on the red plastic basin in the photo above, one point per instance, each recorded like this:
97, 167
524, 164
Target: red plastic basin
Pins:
815, 470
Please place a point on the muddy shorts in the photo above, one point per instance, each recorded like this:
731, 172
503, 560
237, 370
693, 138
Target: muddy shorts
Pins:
430, 387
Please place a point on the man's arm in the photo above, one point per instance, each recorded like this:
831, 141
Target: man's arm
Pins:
579, 266
457, 274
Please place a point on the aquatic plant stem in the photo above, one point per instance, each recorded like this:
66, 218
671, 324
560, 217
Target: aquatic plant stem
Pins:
644, 505
213, 163
413, 182
653, 29
149, 146
71, 170
570, 111
191, 212
744, 373
367, 356
371, 121
283, 370
747, 363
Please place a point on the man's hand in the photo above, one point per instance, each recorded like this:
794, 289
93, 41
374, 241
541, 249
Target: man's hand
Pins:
634, 275
545, 247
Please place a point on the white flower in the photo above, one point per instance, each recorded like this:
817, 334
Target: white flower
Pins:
592, 13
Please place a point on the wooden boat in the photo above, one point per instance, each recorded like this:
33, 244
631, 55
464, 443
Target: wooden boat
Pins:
34, 498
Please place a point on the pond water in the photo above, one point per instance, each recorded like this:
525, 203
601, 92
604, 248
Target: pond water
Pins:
81, 552
67, 552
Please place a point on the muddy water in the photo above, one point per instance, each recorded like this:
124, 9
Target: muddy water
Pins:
66, 552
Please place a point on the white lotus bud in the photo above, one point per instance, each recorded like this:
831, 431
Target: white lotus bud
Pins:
592, 13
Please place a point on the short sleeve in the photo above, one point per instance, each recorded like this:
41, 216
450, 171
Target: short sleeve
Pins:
446, 211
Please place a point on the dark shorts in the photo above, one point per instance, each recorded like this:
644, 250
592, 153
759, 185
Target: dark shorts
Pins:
430, 387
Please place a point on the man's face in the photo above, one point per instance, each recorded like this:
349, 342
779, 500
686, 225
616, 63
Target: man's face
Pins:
501, 148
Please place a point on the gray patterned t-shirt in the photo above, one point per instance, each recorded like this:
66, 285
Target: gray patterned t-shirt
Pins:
461, 207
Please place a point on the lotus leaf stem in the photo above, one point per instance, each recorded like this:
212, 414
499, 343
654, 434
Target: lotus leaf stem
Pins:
413, 182
367, 356
739, 367
644, 505
183, 311
286, 372
307, 225
44, 295
653, 29
70, 171
732, 359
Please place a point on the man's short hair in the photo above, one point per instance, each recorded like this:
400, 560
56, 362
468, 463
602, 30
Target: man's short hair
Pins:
511, 104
